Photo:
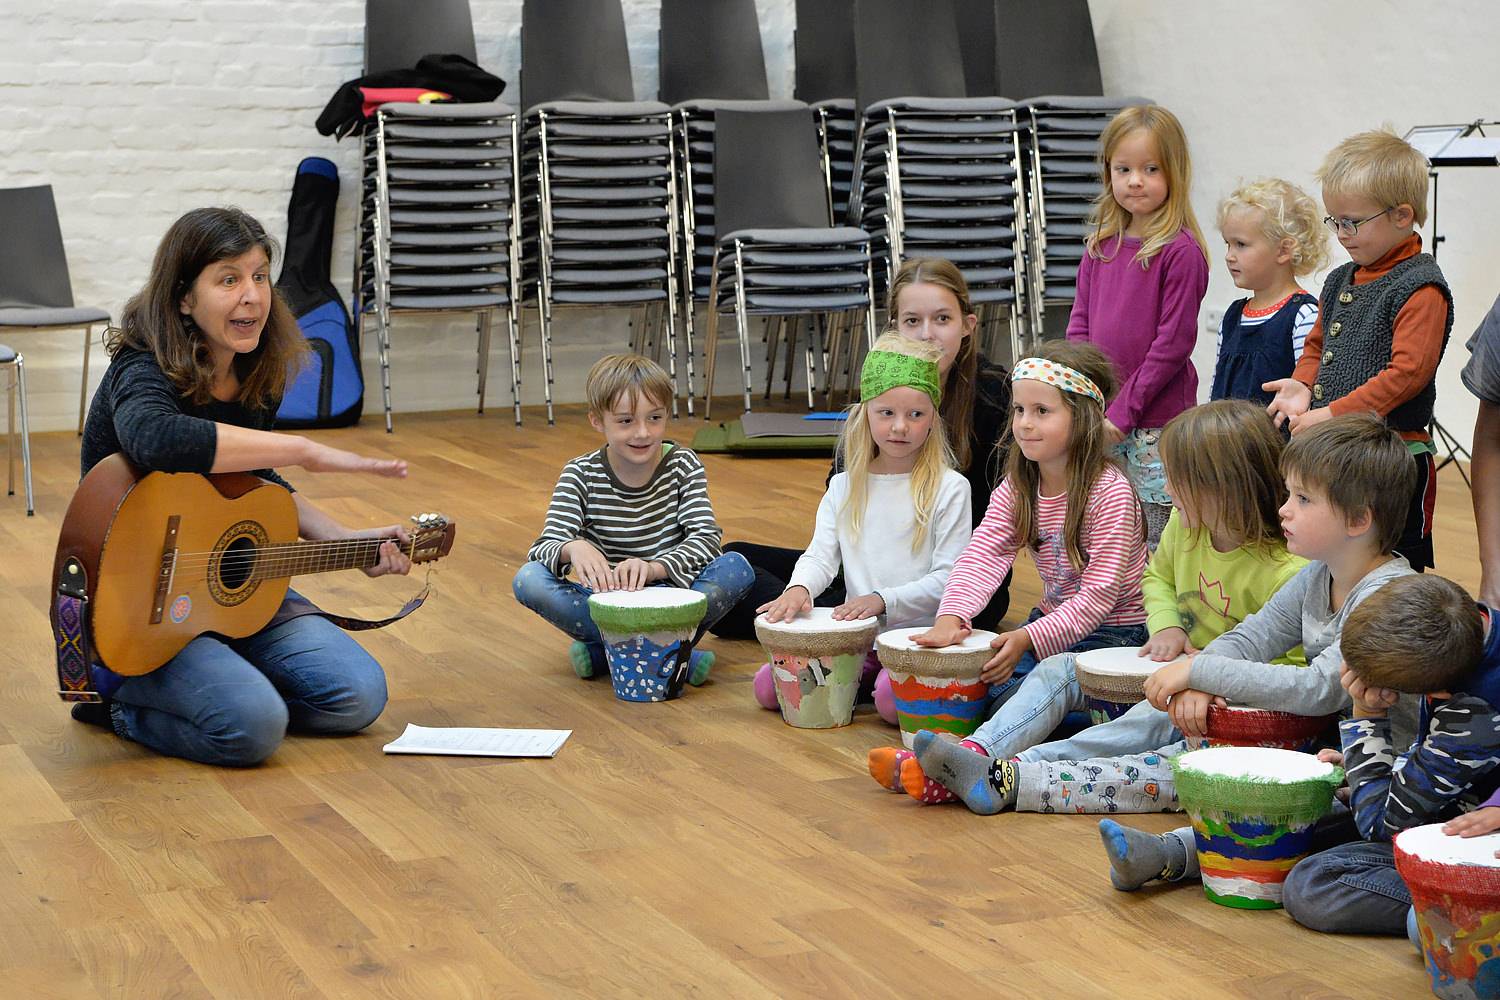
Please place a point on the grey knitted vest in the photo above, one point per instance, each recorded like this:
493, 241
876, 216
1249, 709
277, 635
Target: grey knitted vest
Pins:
1358, 321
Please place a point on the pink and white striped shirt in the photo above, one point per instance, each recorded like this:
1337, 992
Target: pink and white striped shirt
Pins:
1074, 603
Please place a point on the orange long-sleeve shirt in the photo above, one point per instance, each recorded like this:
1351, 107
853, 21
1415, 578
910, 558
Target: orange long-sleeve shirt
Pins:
1416, 346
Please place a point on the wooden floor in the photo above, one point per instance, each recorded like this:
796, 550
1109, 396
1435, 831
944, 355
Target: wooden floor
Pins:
695, 848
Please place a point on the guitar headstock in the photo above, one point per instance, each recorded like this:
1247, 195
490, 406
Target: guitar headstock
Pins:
431, 537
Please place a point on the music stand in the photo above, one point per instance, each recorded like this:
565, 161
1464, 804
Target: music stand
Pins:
1464, 145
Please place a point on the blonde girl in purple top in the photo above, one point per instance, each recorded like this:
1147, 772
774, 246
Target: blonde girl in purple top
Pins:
1139, 288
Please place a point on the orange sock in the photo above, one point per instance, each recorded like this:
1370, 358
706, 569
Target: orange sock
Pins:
885, 765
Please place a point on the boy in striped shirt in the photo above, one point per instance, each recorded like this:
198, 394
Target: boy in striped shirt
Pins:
633, 514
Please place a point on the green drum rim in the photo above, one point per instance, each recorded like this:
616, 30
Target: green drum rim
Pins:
641, 619
1274, 799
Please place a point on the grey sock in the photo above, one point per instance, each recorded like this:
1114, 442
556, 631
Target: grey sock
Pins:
1137, 857
966, 773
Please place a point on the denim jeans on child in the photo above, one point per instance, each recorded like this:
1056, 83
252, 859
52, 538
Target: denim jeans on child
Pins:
229, 702
1141, 729
1032, 709
1353, 888
566, 604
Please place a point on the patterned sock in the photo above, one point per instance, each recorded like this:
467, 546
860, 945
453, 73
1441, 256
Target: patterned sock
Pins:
588, 659
1137, 857
700, 662
885, 766
927, 790
965, 770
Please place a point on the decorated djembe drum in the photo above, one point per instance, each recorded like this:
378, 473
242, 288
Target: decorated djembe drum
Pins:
936, 688
648, 637
1243, 726
1455, 890
816, 663
1253, 809
1113, 679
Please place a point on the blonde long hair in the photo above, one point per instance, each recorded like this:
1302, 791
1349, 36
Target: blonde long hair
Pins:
857, 449
1088, 449
1176, 213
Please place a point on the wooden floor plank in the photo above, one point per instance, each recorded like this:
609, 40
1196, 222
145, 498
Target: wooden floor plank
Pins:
695, 848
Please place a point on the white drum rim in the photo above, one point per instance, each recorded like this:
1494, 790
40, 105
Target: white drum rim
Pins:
900, 639
1115, 659
681, 597
1430, 844
814, 621
1256, 763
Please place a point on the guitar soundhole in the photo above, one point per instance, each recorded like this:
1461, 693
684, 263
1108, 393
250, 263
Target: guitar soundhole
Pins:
231, 577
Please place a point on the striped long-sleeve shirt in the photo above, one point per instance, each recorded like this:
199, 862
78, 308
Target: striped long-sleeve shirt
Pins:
669, 520
1074, 603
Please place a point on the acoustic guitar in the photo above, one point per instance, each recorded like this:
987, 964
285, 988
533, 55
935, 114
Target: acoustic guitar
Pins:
165, 557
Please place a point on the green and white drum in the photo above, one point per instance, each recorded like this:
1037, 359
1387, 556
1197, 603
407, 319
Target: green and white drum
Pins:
648, 637
816, 662
1253, 809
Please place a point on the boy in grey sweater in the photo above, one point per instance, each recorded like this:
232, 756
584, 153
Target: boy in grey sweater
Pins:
1347, 479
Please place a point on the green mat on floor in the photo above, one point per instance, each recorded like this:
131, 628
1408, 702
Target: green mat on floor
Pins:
729, 438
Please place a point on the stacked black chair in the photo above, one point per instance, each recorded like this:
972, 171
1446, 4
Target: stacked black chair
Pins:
1063, 179
711, 60
776, 252
438, 198
599, 196
36, 294
824, 44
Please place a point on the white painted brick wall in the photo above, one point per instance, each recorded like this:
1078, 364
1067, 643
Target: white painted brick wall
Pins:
136, 111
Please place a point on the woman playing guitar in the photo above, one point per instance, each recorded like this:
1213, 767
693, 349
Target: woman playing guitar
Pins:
198, 366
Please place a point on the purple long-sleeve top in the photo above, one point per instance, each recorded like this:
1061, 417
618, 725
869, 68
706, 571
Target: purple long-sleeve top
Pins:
1145, 322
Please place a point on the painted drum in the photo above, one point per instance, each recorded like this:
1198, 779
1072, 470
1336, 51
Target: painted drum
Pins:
1253, 810
1112, 679
1242, 726
936, 689
648, 636
1455, 889
816, 662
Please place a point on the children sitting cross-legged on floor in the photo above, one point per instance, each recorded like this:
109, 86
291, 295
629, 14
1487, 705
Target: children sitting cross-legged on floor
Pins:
1344, 512
1064, 500
1222, 555
1421, 635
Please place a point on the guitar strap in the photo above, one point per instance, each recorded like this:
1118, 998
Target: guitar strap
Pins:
76, 679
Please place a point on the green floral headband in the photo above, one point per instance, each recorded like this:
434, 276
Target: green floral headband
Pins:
886, 369
1058, 376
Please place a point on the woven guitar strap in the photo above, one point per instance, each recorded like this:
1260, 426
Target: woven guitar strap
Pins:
75, 660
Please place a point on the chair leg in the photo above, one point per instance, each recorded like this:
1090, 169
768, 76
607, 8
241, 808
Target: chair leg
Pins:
515, 324
83, 392
17, 386
484, 352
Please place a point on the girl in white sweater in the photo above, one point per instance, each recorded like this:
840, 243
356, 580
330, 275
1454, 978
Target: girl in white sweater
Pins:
898, 515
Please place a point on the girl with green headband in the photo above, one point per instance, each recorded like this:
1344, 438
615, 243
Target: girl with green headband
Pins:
897, 517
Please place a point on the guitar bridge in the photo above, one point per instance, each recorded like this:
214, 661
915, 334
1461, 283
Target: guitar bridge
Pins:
168, 570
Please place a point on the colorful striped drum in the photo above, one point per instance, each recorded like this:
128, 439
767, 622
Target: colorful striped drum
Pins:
1455, 889
1242, 726
1252, 809
936, 689
816, 662
648, 637
1113, 679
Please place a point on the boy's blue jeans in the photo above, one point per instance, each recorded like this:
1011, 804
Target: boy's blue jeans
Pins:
1353, 888
566, 604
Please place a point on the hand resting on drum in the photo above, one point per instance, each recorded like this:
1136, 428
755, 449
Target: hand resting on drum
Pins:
866, 606
793, 601
1474, 824
1168, 644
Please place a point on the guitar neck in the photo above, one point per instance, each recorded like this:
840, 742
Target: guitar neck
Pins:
298, 558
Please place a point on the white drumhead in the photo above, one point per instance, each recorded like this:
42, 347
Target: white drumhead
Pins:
816, 620
648, 597
1430, 843
1256, 762
1120, 661
900, 638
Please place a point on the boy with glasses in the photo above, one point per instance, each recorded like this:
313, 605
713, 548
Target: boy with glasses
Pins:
1384, 317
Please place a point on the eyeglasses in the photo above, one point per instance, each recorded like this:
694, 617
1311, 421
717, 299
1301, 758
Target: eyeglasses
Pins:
1348, 227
